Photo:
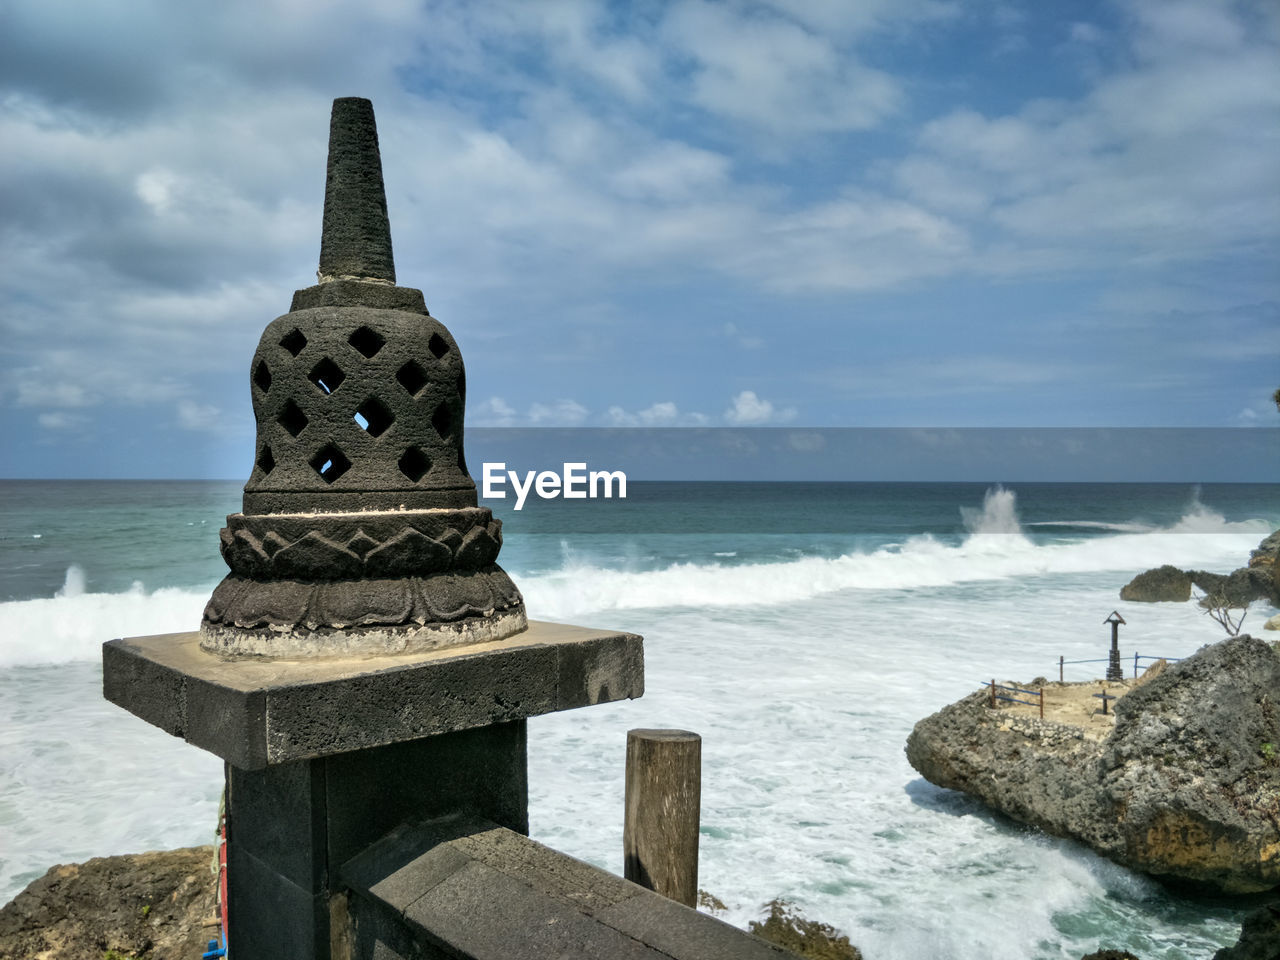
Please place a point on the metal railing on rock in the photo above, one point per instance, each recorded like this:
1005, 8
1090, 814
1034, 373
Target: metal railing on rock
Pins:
994, 696
1136, 657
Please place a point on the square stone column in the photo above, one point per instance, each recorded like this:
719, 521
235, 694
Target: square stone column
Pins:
324, 757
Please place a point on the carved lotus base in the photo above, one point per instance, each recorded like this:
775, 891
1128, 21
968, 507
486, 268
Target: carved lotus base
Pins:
291, 619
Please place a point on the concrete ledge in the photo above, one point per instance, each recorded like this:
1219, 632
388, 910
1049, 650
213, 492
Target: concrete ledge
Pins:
466, 888
253, 713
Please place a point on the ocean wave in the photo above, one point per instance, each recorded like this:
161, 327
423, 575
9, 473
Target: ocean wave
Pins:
996, 548
1092, 526
73, 624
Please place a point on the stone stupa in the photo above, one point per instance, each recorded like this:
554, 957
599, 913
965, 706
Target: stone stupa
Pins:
361, 532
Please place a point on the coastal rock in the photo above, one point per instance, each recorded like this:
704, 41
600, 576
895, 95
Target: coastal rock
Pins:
147, 905
1158, 585
1273, 623
1259, 937
1239, 588
1267, 552
1259, 580
1184, 786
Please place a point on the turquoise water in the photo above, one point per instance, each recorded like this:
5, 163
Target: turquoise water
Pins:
800, 628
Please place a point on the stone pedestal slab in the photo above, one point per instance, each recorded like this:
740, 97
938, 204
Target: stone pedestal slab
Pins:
326, 756
254, 713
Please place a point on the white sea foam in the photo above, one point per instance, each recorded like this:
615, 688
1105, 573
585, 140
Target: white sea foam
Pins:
73, 624
1093, 525
995, 549
73, 583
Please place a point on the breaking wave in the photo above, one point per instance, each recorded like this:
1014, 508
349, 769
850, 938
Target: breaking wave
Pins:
996, 548
73, 624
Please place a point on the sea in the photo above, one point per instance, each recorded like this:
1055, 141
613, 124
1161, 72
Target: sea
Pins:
800, 628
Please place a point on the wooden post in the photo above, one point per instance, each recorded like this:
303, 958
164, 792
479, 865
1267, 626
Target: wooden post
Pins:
1135, 664
1060, 661
1042, 703
663, 803
993, 693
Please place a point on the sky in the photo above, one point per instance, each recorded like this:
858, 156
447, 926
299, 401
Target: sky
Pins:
883, 213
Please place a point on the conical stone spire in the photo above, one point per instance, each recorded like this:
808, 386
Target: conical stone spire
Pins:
355, 243
361, 532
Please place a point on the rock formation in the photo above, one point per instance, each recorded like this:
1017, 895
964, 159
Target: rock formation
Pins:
1259, 936
146, 905
1260, 580
1184, 786
1166, 583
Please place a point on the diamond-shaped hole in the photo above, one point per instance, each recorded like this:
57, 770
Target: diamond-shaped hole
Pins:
437, 345
442, 420
330, 463
373, 417
414, 464
292, 418
327, 375
293, 341
367, 341
262, 376
266, 462
412, 377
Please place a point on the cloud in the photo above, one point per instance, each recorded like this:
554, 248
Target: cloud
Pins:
61, 421
203, 417
34, 390
745, 340
561, 413
747, 409
494, 412
562, 167
775, 74
1165, 159
663, 414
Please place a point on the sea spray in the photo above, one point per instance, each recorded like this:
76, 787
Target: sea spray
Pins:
73, 584
995, 549
74, 624
999, 514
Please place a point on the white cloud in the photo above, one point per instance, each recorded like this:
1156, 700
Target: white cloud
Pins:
155, 188
663, 414
1167, 159
34, 390
743, 339
61, 421
772, 73
748, 409
199, 416
561, 413
494, 412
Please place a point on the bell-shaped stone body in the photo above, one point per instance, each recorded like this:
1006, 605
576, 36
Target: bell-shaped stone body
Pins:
361, 532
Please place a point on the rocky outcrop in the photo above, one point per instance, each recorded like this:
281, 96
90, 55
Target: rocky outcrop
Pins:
1259, 937
1185, 786
149, 906
1259, 580
1239, 588
1161, 584
1267, 552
